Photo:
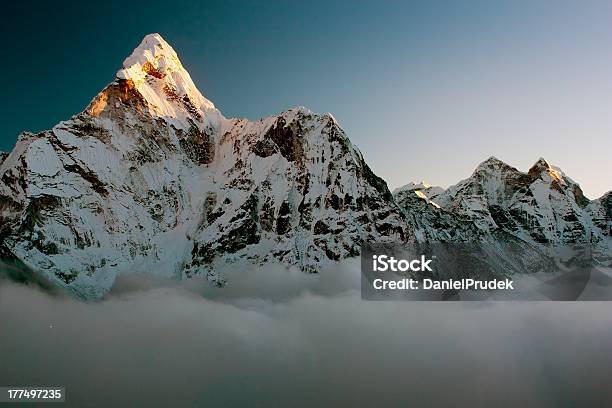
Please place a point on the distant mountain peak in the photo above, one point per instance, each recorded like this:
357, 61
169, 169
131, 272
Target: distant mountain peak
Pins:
542, 169
422, 190
423, 186
492, 163
542, 161
413, 186
540, 165
493, 160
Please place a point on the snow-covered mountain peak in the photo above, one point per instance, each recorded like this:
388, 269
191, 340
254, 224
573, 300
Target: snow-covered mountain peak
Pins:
154, 57
153, 49
542, 169
540, 165
153, 79
493, 164
492, 160
293, 113
498, 203
150, 177
542, 161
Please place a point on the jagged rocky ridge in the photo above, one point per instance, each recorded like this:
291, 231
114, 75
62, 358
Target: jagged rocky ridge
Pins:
540, 210
151, 177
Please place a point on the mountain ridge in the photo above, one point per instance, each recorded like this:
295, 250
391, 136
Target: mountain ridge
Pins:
151, 177
541, 207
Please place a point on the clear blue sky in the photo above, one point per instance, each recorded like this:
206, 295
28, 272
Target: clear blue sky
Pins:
426, 89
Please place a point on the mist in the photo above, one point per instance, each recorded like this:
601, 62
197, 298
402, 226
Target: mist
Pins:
278, 337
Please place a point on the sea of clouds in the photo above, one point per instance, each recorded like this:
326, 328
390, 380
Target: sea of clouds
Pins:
277, 337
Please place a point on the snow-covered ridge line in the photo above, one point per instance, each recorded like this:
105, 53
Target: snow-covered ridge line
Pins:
152, 178
541, 207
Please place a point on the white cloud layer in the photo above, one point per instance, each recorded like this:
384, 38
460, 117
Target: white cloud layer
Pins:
275, 337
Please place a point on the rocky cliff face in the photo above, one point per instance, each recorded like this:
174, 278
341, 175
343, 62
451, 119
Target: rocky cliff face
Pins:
601, 211
151, 177
429, 221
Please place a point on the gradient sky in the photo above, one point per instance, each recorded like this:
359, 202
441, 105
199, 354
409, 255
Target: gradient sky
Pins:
426, 89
